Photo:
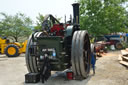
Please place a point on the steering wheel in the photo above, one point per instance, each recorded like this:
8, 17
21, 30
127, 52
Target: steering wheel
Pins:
46, 25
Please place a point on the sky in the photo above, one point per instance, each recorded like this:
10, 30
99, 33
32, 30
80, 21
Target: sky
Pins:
31, 8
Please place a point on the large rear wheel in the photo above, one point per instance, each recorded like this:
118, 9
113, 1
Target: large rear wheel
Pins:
31, 60
80, 54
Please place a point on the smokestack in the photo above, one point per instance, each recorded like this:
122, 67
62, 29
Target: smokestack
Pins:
76, 13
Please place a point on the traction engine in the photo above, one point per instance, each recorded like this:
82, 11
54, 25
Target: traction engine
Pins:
59, 46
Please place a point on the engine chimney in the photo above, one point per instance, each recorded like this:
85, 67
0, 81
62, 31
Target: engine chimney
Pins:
76, 13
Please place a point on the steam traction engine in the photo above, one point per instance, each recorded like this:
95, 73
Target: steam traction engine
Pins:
59, 46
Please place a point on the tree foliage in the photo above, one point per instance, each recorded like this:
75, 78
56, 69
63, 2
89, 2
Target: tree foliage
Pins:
39, 21
16, 26
103, 16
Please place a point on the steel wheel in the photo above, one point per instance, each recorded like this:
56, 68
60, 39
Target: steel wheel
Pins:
80, 56
77, 53
84, 54
31, 61
73, 54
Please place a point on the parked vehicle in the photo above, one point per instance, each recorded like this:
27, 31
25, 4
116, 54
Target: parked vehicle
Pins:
12, 49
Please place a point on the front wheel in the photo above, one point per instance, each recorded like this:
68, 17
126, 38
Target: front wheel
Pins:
119, 46
12, 50
80, 54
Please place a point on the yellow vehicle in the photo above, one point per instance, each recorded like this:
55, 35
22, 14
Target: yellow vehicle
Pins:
12, 49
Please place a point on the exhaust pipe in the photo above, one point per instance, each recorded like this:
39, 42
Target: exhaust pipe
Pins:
75, 13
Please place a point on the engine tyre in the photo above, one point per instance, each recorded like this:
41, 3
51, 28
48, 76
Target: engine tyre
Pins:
32, 61
12, 50
77, 53
80, 54
119, 46
73, 54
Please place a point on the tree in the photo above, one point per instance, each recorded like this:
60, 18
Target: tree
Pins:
16, 26
39, 21
102, 16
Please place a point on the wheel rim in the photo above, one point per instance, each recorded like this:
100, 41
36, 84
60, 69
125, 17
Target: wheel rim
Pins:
11, 50
84, 54
119, 46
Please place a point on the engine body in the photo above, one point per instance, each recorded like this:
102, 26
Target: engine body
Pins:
59, 46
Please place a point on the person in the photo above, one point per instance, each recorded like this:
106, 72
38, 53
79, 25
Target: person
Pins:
93, 57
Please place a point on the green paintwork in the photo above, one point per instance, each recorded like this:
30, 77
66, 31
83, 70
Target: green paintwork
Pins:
50, 42
57, 43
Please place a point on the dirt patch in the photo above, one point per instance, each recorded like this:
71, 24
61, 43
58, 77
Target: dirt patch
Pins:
108, 72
